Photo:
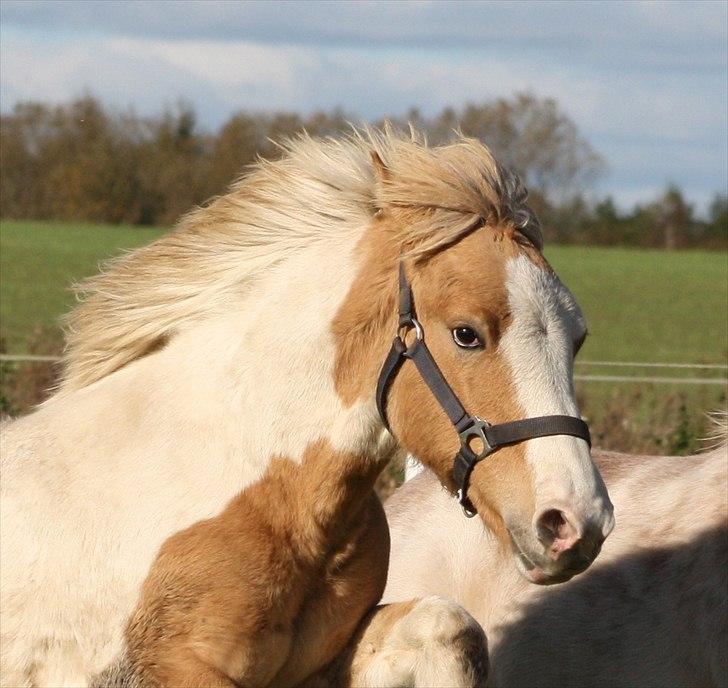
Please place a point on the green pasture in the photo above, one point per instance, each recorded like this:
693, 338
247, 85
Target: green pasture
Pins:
642, 305
649, 305
38, 263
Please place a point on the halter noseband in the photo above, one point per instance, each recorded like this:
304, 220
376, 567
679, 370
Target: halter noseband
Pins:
468, 427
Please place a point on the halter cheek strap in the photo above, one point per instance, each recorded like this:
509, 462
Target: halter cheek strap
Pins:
468, 427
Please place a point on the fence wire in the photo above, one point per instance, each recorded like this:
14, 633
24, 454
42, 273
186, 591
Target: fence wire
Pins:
657, 379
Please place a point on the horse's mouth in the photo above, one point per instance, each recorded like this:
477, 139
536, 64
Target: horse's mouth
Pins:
536, 574
529, 570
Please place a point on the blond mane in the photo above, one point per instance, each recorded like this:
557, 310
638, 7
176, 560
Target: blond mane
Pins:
319, 190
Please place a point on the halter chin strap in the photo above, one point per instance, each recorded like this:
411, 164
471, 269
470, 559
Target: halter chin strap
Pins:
468, 427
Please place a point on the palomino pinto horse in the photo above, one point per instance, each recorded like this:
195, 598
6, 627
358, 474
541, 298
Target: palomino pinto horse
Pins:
652, 612
240, 354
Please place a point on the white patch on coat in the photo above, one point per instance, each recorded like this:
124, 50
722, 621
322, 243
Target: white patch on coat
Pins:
539, 346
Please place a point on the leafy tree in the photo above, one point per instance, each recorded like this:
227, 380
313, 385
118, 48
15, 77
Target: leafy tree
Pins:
673, 218
80, 161
534, 137
717, 229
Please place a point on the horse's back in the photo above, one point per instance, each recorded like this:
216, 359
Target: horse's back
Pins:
653, 618
651, 611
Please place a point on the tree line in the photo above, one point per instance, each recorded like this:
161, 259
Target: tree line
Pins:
83, 161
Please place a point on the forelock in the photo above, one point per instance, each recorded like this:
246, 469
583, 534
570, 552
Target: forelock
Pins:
458, 187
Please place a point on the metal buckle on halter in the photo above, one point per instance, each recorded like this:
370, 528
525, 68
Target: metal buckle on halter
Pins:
404, 328
476, 429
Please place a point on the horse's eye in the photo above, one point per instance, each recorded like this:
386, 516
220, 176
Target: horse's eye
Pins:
466, 337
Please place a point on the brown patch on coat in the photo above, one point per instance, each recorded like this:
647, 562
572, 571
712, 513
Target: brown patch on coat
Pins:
272, 588
464, 284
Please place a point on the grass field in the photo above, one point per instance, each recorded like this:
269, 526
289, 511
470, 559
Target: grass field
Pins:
641, 305
38, 263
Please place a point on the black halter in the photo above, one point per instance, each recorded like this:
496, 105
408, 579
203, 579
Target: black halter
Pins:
468, 427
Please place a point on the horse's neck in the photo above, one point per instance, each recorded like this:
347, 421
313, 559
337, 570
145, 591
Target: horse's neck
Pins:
230, 393
282, 355
266, 369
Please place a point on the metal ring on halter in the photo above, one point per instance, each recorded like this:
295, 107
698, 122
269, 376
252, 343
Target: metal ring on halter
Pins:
412, 322
477, 430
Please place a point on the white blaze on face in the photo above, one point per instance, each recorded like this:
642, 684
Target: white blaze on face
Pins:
539, 346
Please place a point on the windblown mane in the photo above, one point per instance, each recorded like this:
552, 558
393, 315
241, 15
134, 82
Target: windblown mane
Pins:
718, 437
319, 190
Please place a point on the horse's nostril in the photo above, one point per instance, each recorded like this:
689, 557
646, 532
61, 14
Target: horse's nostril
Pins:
552, 525
556, 532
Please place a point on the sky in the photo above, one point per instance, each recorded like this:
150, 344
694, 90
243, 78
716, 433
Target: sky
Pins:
646, 82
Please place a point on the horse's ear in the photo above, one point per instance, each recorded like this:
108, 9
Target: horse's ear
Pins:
381, 176
380, 169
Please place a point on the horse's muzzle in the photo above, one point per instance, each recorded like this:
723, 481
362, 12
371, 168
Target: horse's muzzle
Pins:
563, 547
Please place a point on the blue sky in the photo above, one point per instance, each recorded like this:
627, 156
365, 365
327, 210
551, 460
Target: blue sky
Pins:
646, 82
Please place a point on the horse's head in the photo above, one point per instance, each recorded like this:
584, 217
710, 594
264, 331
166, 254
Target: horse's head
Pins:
504, 331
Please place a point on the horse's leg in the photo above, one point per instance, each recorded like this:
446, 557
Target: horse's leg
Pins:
428, 642
187, 670
192, 672
349, 589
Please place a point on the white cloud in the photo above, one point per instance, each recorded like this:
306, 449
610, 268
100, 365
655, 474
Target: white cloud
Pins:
228, 64
645, 82
669, 25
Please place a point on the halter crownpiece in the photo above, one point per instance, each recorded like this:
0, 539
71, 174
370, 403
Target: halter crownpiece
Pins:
468, 427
